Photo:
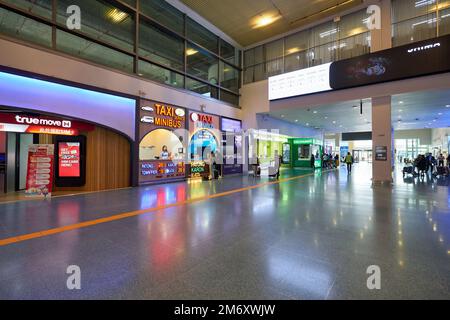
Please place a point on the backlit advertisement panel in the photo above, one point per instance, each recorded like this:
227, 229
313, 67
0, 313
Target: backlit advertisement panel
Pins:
69, 159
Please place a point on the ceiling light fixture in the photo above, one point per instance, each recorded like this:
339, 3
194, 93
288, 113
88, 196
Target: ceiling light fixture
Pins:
116, 15
264, 20
293, 50
190, 52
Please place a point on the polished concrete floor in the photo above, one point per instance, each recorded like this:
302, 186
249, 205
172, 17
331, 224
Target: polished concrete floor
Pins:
309, 238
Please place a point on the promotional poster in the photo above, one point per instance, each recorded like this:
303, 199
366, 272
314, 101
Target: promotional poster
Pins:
40, 170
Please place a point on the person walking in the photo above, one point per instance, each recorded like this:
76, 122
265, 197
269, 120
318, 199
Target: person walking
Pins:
349, 162
441, 160
313, 160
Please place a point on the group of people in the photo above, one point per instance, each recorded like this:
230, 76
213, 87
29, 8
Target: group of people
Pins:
429, 163
329, 161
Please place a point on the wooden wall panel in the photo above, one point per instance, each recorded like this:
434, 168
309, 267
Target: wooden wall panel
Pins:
107, 161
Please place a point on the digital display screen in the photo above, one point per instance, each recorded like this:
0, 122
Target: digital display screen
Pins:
69, 159
300, 82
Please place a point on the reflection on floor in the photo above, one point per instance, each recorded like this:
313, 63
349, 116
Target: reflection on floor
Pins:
308, 238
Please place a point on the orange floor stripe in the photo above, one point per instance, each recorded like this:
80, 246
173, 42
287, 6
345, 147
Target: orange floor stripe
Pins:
120, 216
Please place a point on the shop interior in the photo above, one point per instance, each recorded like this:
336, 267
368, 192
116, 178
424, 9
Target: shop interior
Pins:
161, 144
203, 142
104, 171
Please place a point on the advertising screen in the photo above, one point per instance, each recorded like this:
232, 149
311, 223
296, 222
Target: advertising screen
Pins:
300, 82
69, 159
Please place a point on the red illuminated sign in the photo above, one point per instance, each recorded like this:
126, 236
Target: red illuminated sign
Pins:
69, 159
37, 124
198, 117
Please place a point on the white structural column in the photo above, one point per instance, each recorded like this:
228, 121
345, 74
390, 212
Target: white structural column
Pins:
382, 134
382, 140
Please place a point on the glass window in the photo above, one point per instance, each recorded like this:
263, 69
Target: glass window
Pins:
274, 67
254, 73
296, 61
229, 53
161, 47
354, 46
202, 64
324, 33
229, 77
414, 30
353, 24
297, 42
229, 97
164, 13
161, 75
202, 88
42, 8
404, 10
201, 36
444, 22
92, 51
103, 21
17, 26
323, 54
132, 3
273, 50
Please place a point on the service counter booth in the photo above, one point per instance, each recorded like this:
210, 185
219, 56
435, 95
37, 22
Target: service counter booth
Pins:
162, 152
301, 151
265, 144
204, 139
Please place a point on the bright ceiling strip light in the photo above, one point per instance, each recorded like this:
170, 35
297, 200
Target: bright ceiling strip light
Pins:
422, 3
328, 33
116, 15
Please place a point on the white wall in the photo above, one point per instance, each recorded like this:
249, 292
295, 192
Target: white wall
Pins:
424, 135
254, 99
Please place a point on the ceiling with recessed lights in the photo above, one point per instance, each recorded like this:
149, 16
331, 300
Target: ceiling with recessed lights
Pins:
252, 21
415, 110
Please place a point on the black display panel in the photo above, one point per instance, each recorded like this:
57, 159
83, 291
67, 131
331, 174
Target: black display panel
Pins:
412, 60
70, 161
356, 136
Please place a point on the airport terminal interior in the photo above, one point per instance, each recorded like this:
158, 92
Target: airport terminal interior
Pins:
224, 150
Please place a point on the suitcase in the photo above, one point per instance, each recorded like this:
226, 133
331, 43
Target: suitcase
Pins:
409, 170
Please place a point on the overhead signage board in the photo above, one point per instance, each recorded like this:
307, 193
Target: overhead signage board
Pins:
408, 61
13, 122
412, 60
300, 82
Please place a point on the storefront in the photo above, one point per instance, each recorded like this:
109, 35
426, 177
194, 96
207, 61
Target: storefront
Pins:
21, 130
265, 145
86, 134
302, 149
232, 146
162, 152
204, 138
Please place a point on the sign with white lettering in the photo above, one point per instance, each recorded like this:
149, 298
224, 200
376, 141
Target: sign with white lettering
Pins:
39, 124
300, 82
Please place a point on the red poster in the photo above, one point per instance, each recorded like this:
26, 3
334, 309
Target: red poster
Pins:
40, 170
69, 159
